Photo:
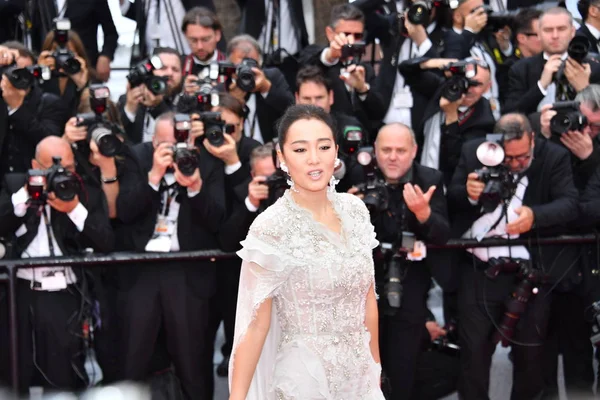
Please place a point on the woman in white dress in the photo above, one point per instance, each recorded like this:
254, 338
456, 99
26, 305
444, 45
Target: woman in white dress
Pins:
307, 325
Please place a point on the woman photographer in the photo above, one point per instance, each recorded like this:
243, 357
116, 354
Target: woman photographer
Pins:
71, 87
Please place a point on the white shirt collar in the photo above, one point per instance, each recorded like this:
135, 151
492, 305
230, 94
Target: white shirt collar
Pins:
214, 58
593, 31
457, 30
431, 27
562, 57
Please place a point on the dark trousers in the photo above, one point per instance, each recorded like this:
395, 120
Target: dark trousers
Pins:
51, 353
481, 300
569, 335
400, 342
160, 297
224, 303
436, 377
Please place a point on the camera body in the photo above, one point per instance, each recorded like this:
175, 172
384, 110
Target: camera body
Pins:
25, 78
100, 130
461, 80
352, 53
352, 139
184, 155
374, 188
498, 20
55, 179
245, 76
64, 58
214, 128
567, 118
500, 185
143, 74
419, 12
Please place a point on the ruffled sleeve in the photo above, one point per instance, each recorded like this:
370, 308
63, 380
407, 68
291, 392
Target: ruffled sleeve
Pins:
264, 269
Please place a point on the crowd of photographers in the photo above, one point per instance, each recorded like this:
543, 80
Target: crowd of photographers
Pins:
476, 123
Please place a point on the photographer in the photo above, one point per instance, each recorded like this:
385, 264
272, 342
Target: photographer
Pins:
447, 124
26, 115
533, 82
467, 38
529, 193
352, 80
268, 94
590, 28
48, 213
69, 84
581, 141
167, 208
417, 209
314, 88
140, 106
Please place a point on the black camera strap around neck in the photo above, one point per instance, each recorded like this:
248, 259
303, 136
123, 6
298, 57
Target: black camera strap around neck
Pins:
48, 231
171, 194
465, 115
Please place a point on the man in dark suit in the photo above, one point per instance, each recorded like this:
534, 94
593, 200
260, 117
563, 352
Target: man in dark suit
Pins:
590, 13
26, 117
168, 211
51, 300
532, 82
139, 107
85, 17
447, 125
353, 83
416, 205
543, 200
269, 99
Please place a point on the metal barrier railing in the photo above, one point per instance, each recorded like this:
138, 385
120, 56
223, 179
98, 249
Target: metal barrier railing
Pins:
92, 260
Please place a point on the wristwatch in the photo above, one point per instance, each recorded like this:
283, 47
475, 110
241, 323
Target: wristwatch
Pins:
109, 180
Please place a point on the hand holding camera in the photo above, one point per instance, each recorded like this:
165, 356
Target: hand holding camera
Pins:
579, 143
354, 76
503, 38
150, 99
523, 223
577, 74
263, 84
82, 77
8, 56
474, 186
192, 182
416, 32
417, 201
108, 168
258, 190
476, 20
134, 97
551, 67
74, 132
334, 51
64, 206
197, 129
450, 108
190, 84
435, 331
226, 152
162, 159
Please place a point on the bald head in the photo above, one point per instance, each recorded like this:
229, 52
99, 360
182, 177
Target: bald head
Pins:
53, 146
395, 151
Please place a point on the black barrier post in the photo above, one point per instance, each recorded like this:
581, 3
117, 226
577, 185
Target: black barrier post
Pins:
13, 326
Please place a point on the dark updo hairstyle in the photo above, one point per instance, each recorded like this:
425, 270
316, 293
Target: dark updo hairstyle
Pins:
303, 111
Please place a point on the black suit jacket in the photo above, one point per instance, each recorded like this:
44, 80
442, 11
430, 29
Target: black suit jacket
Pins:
585, 32
41, 115
135, 129
523, 94
436, 230
254, 17
550, 193
85, 17
97, 233
271, 108
199, 217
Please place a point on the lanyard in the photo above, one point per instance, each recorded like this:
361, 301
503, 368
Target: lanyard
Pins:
48, 231
464, 116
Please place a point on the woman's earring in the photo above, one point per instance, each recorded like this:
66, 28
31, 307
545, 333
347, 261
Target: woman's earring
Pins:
290, 181
332, 180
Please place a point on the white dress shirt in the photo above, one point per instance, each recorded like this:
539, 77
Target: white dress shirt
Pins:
284, 27
40, 245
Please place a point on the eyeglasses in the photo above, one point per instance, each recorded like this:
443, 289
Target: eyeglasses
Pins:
520, 158
357, 36
530, 34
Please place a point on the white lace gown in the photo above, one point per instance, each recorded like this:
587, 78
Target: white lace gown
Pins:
318, 345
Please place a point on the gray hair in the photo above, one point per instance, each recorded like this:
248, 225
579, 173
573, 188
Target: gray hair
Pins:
245, 44
590, 96
513, 126
556, 11
345, 12
260, 153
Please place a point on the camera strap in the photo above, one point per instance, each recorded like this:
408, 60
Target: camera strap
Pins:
60, 12
48, 231
465, 115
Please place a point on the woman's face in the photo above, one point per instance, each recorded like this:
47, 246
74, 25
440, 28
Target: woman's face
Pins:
309, 152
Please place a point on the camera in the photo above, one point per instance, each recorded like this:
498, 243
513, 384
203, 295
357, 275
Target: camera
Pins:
461, 80
183, 155
64, 58
277, 182
24, 78
578, 50
528, 279
395, 269
498, 20
419, 12
245, 75
374, 188
214, 128
57, 179
352, 53
352, 139
448, 344
567, 118
203, 100
142, 74
100, 130
500, 182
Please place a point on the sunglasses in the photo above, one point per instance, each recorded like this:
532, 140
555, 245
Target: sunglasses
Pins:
357, 36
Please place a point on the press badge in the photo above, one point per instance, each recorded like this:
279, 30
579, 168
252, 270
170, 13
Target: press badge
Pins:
161, 239
419, 252
403, 98
54, 281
